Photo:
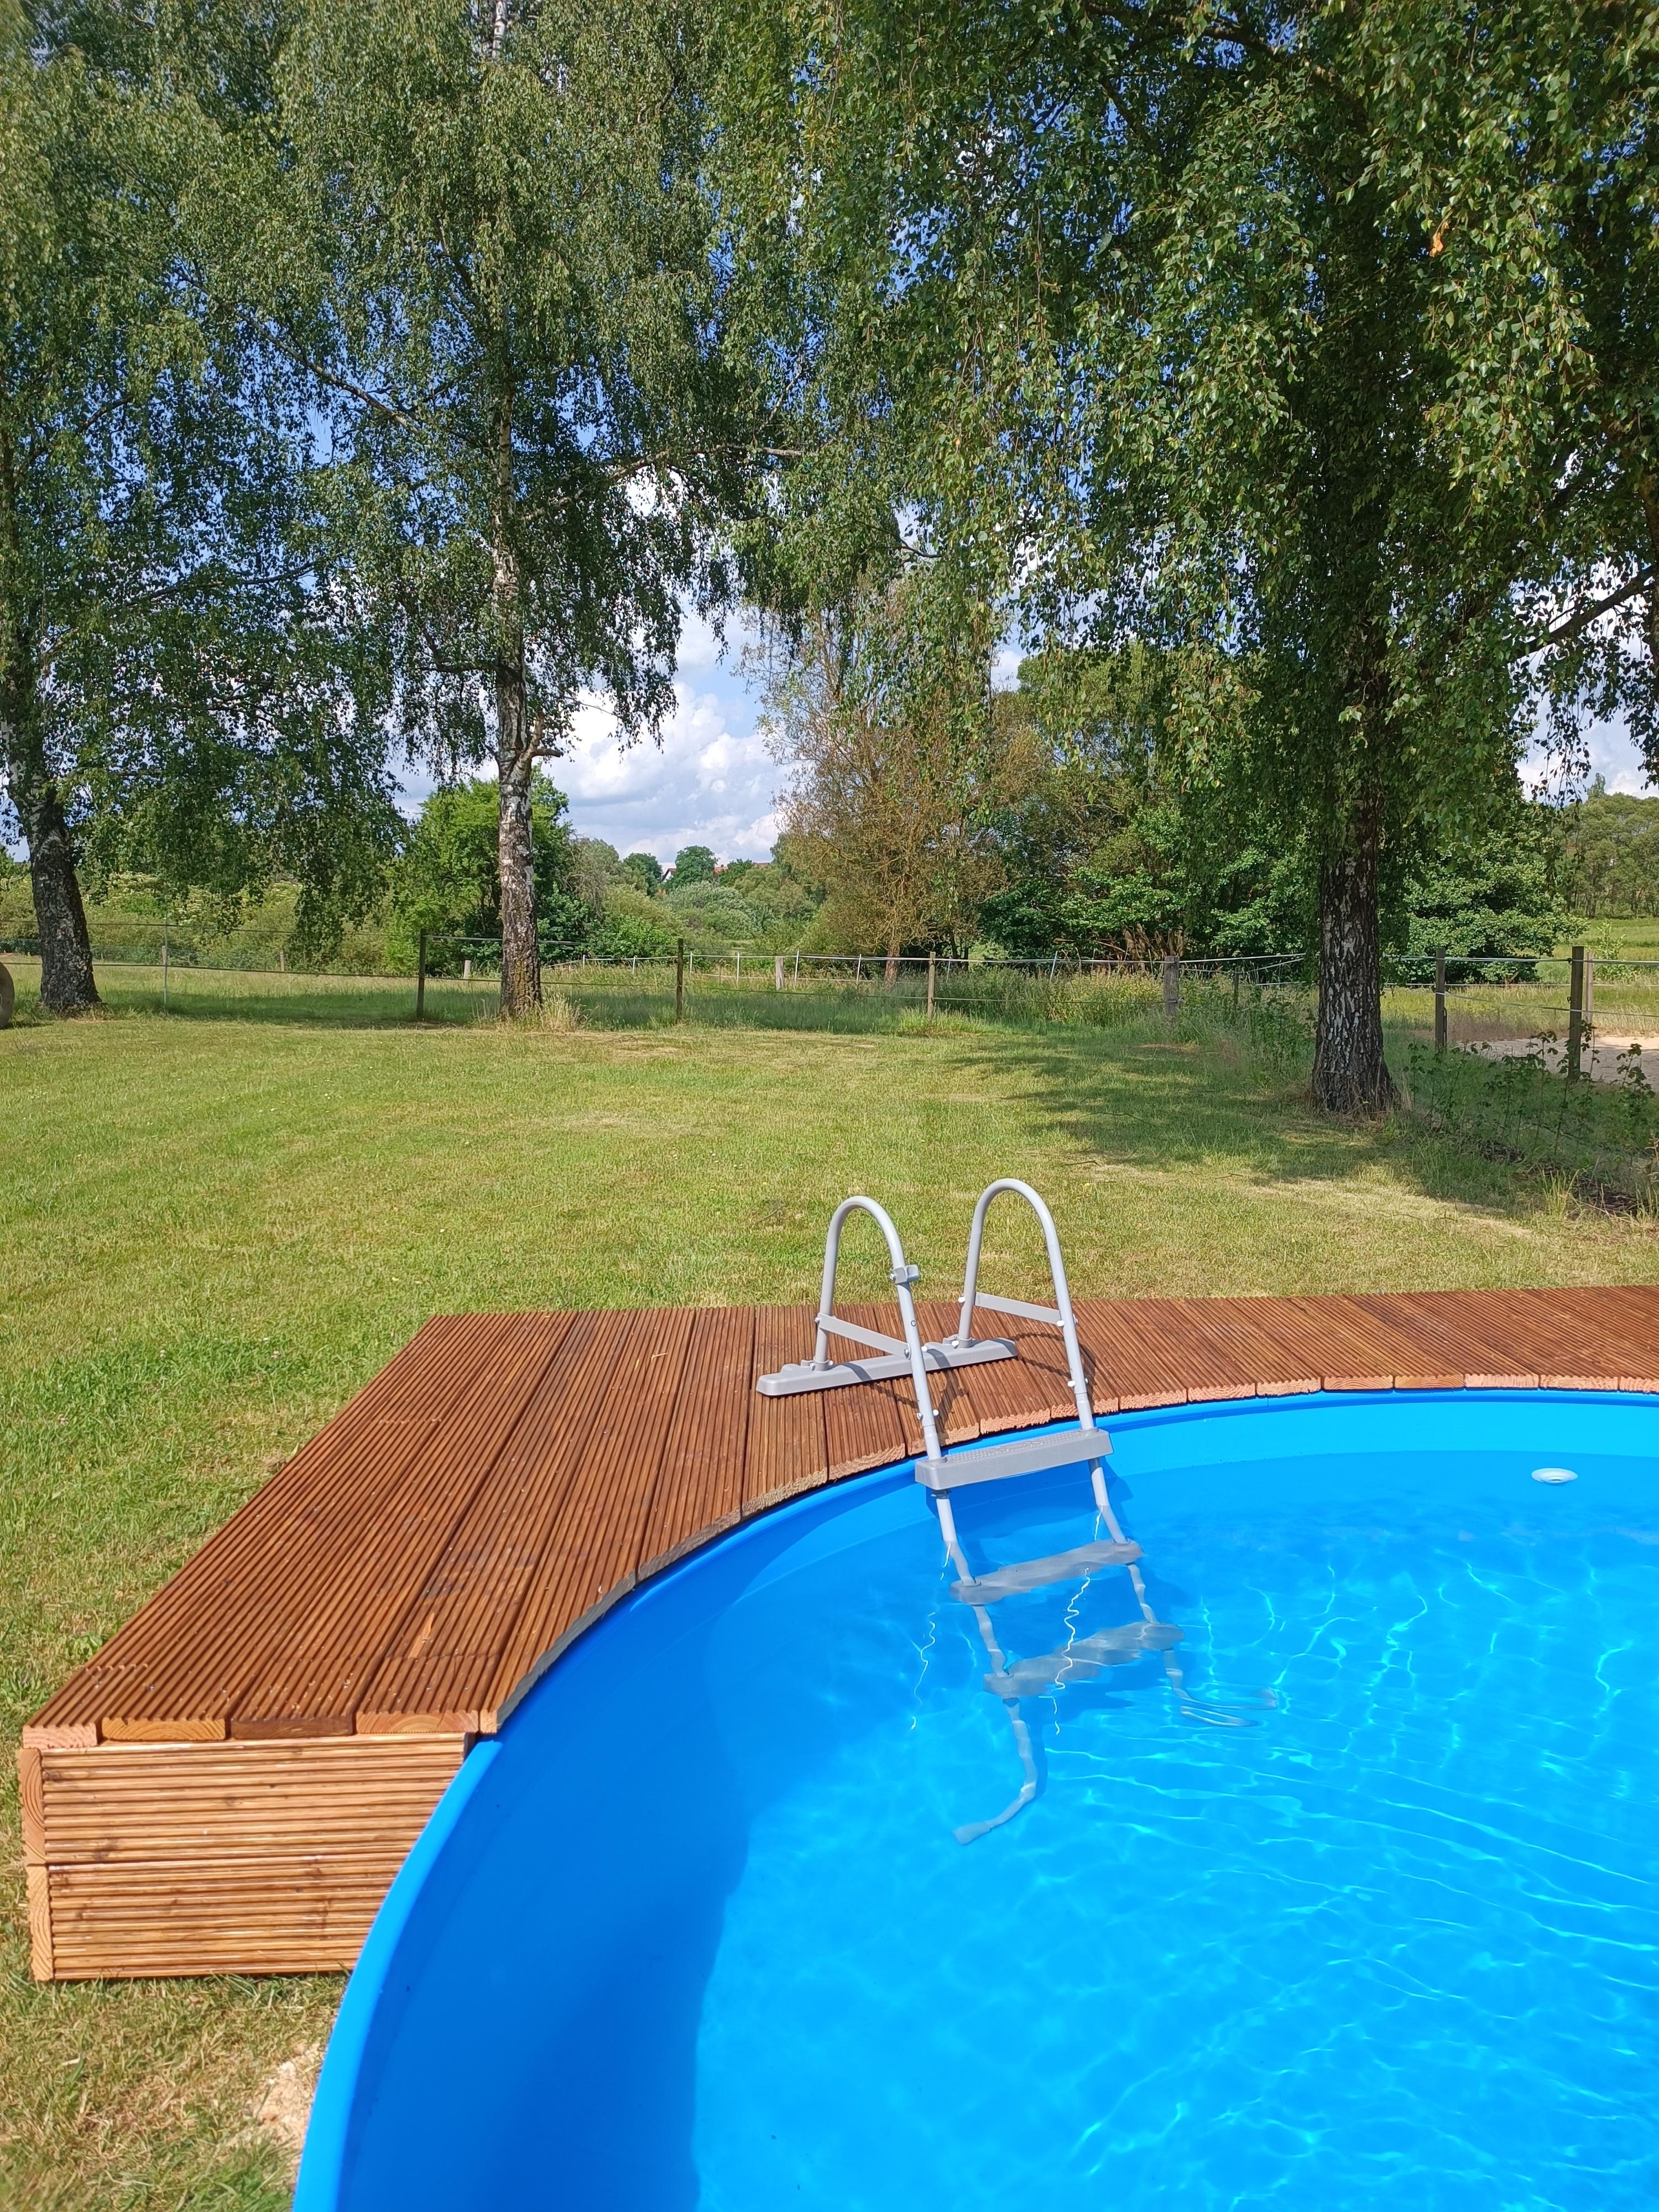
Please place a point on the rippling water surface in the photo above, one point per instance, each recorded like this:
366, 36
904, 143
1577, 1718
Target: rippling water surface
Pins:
1367, 1917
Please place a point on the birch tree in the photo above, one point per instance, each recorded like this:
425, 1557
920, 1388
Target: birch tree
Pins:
491, 251
1136, 308
180, 690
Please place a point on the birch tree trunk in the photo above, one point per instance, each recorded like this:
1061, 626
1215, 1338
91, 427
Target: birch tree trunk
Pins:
60, 919
1351, 1074
515, 753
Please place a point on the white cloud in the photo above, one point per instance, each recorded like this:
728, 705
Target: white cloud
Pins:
1611, 754
711, 781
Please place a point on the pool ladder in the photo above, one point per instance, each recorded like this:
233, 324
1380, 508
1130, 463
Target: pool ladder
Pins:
941, 1472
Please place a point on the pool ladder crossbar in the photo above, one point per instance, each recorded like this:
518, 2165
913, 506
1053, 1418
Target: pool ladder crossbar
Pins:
896, 1356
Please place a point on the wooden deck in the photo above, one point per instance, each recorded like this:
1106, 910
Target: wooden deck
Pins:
231, 1784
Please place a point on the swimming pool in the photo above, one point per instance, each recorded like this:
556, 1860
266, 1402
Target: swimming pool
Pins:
1345, 1894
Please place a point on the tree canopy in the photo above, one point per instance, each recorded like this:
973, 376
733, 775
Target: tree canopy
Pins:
177, 691
1143, 322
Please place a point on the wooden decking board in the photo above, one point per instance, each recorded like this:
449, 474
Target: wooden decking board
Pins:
170, 1802
955, 1411
1125, 1363
244, 1614
787, 1451
594, 1555
1451, 1350
1637, 1318
869, 1427
1596, 1336
285, 1914
1281, 1368
1383, 1354
1518, 1345
400, 1581
175, 1660
1026, 1391
1341, 1348
220, 1858
1211, 1362
441, 1655
699, 1485
329, 1661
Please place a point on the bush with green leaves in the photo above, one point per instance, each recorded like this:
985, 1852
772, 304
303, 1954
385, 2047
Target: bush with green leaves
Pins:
446, 880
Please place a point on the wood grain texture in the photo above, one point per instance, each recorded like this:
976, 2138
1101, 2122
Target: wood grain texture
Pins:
699, 1487
222, 1858
129, 1802
38, 1883
31, 1806
289, 1914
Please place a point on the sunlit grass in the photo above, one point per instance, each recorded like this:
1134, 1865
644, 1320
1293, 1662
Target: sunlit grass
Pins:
222, 1220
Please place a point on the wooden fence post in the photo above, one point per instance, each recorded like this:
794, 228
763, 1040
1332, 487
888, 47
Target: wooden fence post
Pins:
777, 973
420, 978
679, 979
164, 971
932, 964
1440, 1000
1171, 989
1575, 1015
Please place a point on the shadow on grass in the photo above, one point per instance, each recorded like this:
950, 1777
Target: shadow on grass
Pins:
1137, 1093
1148, 1100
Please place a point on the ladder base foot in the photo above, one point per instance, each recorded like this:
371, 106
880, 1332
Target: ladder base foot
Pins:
801, 1376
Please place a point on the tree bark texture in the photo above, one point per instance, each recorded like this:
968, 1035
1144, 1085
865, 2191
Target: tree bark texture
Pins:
1351, 1074
521, 972
515, 755
60, 919
66, 978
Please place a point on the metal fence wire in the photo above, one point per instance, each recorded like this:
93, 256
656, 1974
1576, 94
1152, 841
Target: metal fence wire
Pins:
1552, 1062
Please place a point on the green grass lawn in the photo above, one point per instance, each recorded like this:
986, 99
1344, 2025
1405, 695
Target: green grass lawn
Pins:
221, 1221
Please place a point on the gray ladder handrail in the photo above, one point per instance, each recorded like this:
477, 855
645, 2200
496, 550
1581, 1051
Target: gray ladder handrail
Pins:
902, 1274
1059, 1316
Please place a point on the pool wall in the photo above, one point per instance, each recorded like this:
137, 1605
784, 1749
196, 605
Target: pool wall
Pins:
533, 1795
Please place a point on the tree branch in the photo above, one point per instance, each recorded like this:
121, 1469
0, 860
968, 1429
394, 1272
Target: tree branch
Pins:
1576, 624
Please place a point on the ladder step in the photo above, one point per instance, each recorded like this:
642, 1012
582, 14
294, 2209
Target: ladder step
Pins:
1021, 1306
1083, 1660
1037, 1574
801, 1375
1027, 1456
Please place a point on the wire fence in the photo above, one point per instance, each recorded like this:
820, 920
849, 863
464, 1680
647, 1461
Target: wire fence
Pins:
1549, 1062
456, 976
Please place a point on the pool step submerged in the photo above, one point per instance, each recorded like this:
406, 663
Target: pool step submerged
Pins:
1037, 1574
1091, 1655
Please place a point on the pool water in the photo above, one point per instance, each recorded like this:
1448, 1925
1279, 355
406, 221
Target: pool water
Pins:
1358, 1909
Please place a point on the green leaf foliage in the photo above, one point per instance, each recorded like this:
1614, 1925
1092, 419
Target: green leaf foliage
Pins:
448, 877
177, 683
